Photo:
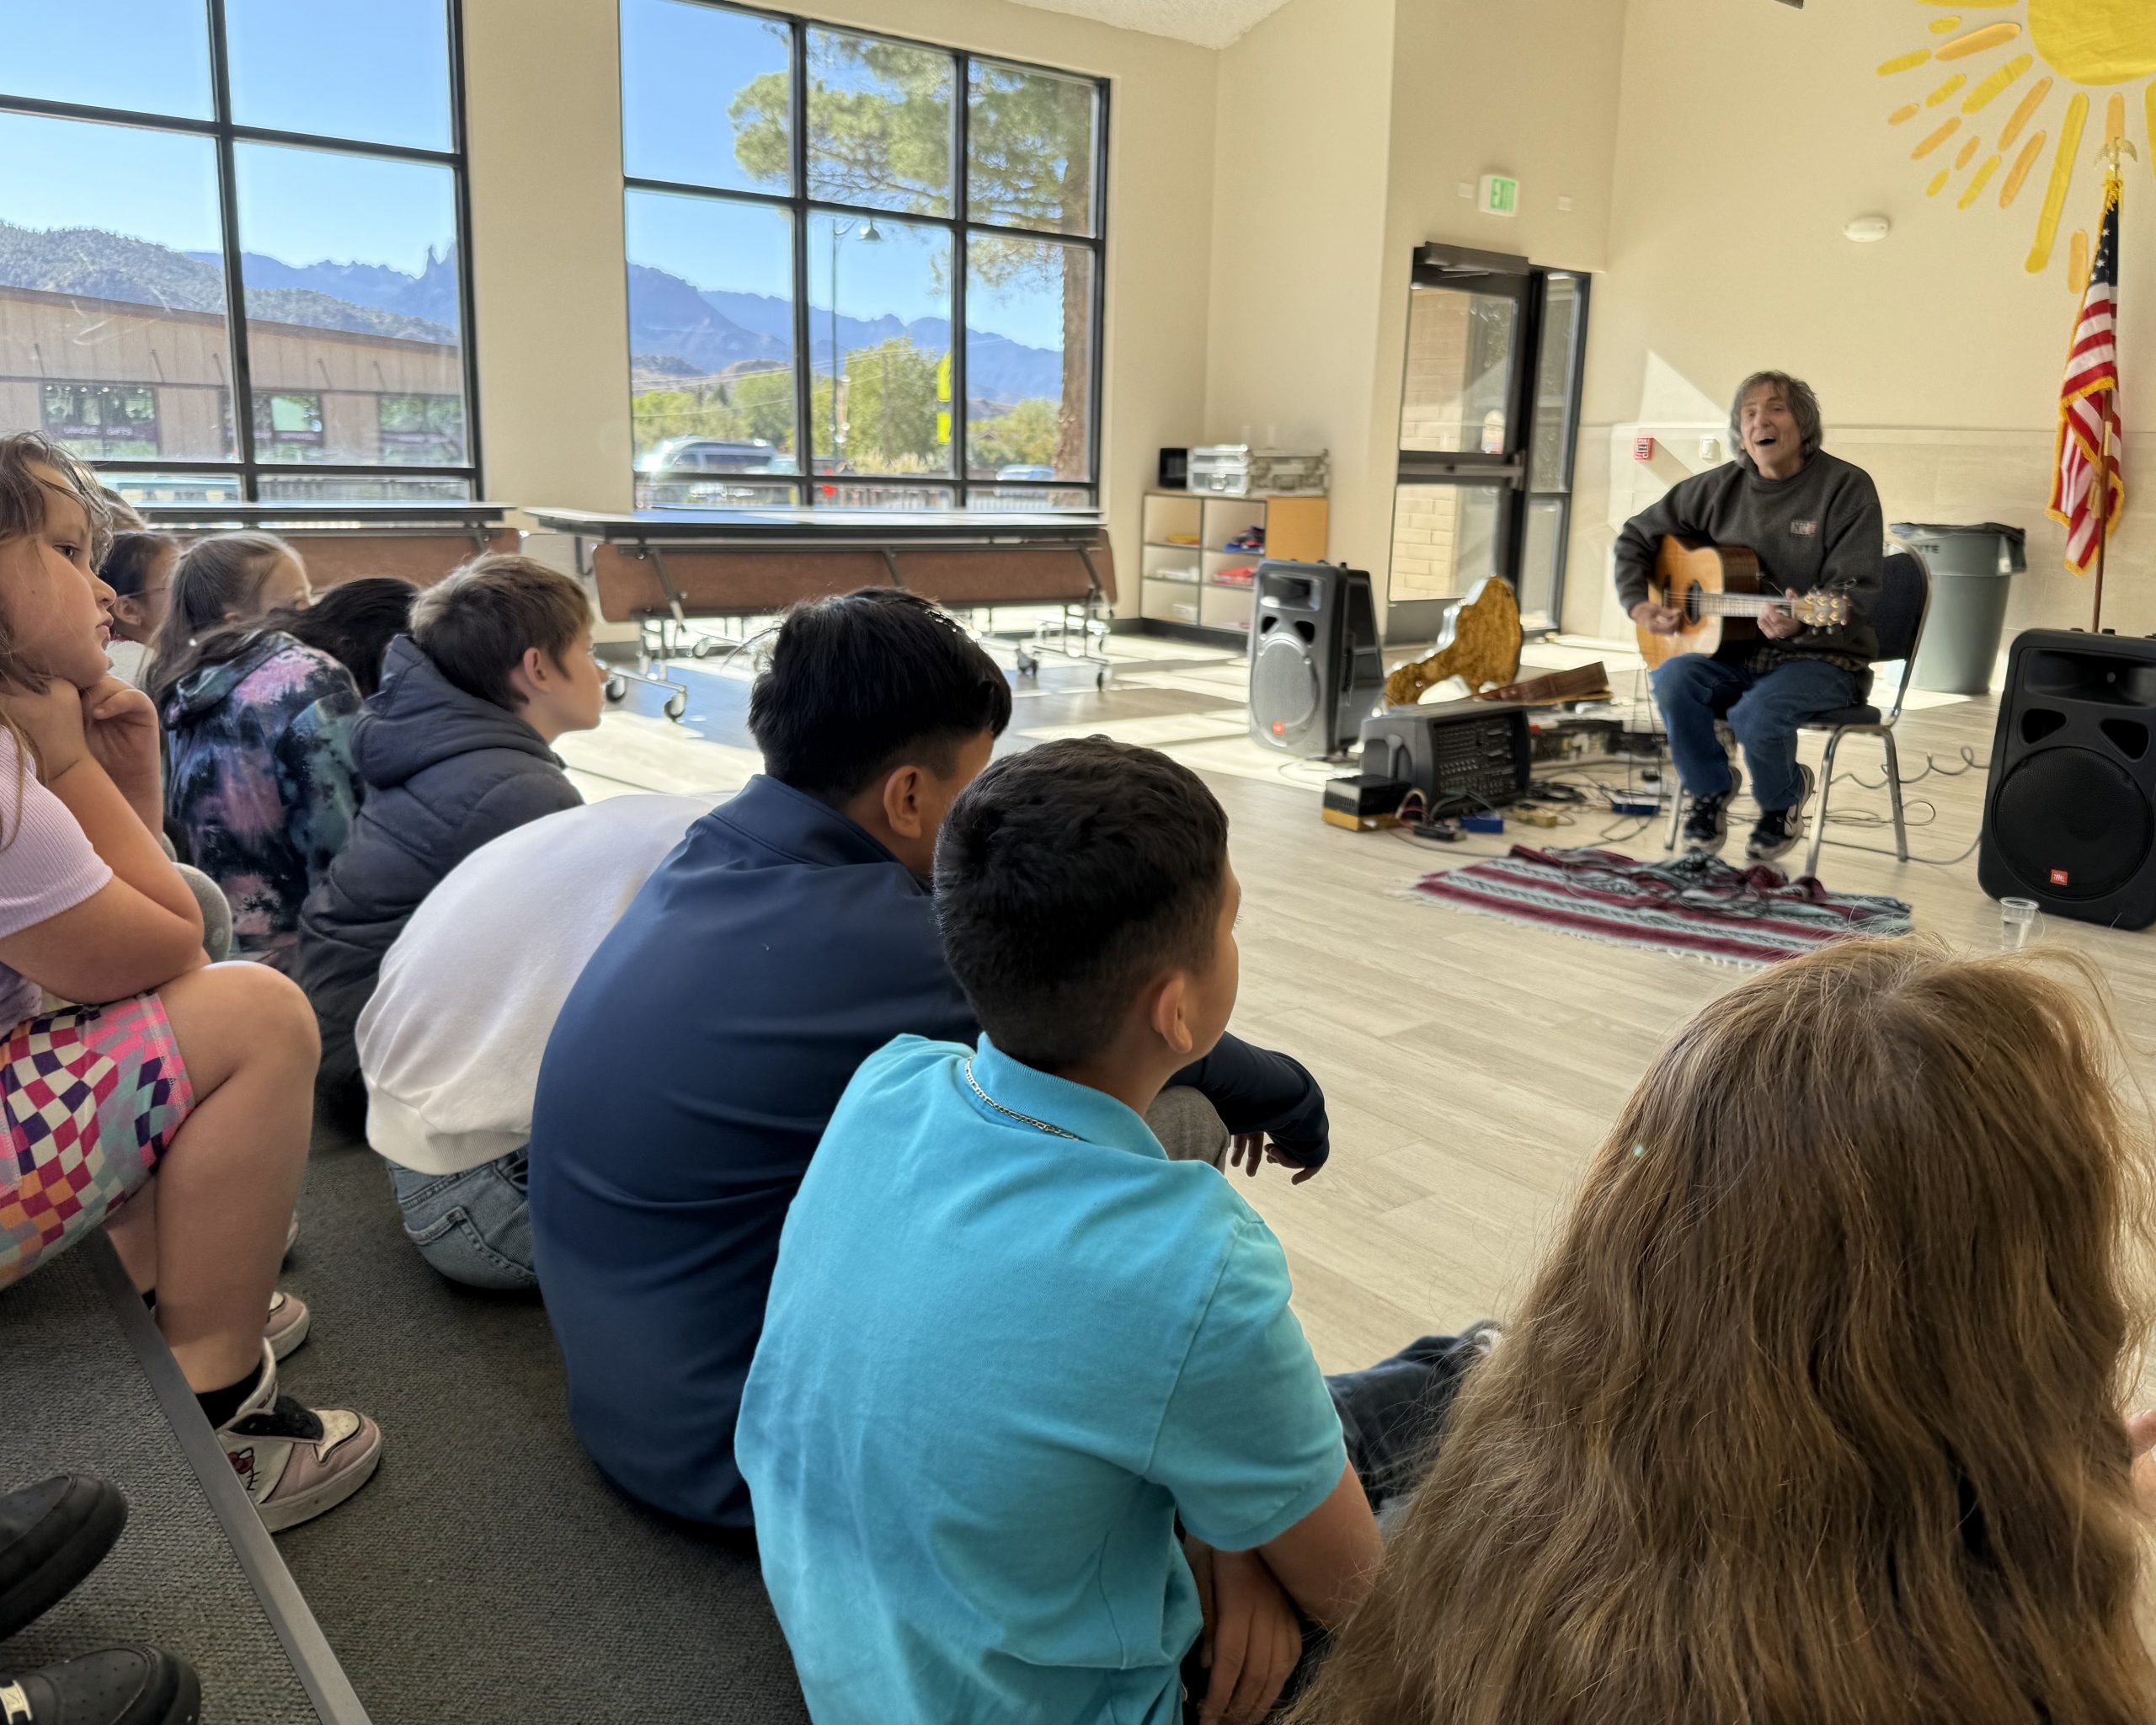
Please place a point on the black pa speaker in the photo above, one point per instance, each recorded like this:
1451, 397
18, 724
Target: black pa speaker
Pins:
1316, 671
2070, 809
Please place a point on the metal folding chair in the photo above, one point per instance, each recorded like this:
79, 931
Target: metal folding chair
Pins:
1898, 620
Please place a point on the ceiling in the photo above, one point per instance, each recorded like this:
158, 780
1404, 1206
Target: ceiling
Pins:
1210, 23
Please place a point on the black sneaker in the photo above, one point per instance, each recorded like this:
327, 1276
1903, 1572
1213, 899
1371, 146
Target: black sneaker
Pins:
124, 1685
1781, 830
1707, 827
52, 1534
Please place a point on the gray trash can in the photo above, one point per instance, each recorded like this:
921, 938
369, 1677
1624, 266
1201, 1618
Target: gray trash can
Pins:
1969, 570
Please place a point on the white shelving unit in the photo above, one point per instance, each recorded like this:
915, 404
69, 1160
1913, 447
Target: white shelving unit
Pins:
1189, 580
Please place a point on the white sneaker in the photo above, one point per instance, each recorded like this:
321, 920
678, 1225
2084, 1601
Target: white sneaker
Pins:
287, 1325
294, 1462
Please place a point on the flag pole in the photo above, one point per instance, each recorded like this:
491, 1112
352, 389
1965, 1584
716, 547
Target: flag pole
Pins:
2103, 524
2110, 155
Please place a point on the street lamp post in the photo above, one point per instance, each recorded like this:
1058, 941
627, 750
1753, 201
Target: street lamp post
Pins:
869, 237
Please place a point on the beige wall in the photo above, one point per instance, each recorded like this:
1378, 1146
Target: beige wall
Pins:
1346, 128
1936, 354
1298, 226
1527, 89
543, 90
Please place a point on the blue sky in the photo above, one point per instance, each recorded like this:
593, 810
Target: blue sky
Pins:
387, 81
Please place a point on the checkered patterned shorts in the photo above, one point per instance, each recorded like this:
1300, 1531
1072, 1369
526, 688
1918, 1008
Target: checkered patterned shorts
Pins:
92, 1096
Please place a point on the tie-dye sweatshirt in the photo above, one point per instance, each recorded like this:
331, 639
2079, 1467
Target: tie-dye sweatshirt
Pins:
259, 784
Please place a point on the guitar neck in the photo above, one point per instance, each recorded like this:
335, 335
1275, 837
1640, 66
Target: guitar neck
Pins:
1741, 604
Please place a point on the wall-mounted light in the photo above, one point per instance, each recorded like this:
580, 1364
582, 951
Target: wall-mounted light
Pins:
1866, 229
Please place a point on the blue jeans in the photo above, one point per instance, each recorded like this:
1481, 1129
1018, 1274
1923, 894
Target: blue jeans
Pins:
1694, 691
474, 1227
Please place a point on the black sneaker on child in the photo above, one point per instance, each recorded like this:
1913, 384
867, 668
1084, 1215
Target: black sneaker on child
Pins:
1706, 824
123, 1685
1779, 830
53, 1534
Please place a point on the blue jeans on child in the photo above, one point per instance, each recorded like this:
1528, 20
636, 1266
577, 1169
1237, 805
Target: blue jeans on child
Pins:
1765, 710
474, 1227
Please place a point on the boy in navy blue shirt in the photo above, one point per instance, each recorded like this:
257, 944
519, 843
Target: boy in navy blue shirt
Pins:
1010, 1343
697, 1059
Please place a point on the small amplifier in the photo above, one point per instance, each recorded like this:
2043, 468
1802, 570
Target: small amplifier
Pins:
1363, 802
1461, 754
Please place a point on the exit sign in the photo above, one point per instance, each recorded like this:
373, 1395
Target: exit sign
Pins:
1500, 195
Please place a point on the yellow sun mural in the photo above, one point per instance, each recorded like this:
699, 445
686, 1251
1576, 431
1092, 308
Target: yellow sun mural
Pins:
2012, 108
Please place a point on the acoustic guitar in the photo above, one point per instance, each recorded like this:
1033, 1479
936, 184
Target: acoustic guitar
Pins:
1717, 587
1479, 644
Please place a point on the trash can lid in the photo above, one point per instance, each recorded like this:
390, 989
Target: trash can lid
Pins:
1932, 529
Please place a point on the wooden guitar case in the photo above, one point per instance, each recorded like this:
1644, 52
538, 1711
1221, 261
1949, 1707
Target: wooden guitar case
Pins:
1480, 644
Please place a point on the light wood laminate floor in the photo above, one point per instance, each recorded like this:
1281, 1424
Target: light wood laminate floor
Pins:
1471, 1067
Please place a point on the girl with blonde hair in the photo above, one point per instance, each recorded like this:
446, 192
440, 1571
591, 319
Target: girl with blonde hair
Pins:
1813, 1414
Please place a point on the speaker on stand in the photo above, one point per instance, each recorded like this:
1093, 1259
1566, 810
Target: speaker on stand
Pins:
2070, 808
1315, 668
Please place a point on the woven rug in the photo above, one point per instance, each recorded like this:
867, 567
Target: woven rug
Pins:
1700, 906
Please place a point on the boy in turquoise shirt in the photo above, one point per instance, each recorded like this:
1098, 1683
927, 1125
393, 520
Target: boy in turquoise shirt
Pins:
1010, 1344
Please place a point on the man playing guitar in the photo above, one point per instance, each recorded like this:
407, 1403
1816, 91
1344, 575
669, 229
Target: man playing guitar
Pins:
1814, 522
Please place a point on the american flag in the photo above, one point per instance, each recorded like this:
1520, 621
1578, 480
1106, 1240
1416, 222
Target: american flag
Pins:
2088, 404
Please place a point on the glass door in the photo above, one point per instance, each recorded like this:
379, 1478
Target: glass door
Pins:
1488, 412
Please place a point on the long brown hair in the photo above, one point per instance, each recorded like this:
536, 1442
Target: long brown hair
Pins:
218, 580
1813, 1414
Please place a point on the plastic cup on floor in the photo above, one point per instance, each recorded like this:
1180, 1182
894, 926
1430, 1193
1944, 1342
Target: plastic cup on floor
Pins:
2019, 920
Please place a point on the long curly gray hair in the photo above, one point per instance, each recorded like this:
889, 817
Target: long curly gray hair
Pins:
1803, 407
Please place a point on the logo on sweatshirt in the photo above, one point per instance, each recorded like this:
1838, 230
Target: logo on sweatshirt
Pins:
1804, 530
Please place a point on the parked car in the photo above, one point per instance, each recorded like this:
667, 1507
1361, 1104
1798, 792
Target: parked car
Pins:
706, 455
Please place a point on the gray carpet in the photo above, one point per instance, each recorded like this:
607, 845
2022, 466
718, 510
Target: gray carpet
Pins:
488, 1573
72, 1399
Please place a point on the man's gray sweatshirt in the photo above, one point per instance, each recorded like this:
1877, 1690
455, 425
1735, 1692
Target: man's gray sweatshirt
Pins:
1819, 528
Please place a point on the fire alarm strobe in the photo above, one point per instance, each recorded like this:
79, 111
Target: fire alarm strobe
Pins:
1643, 449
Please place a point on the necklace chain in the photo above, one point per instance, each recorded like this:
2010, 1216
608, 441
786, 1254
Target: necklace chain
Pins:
1038, 1126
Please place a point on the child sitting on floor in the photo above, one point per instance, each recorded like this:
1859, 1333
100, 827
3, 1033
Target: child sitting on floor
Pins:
259, 788
182, 1086
1814, 1410
1009, 1343
494, 950
139, 569
455, 749
225, 578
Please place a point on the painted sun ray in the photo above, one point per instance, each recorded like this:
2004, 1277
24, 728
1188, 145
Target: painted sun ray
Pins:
2115, 119
2061, 182
2152, 126
1936, 139
1981, 179
1992, 35
1947, 91
1903, 115
1944, 26
2077, 262
1903, 63
1973, 5
2023, 113
1968, 152
1996, 85
1938, 182
2027, 159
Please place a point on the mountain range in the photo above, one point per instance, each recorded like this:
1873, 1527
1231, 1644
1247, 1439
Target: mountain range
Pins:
674, 327
100, 266
691, 331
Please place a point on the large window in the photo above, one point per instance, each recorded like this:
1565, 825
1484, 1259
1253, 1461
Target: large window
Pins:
862, 272
233, 244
